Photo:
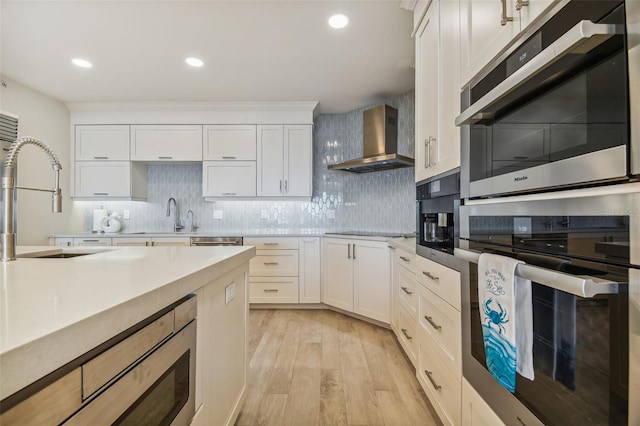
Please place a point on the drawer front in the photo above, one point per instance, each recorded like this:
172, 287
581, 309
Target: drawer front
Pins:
101, 369
442, 388
407, 335
273, 290
443, 281
274, 263
407, 291
442, 324
405, 259
92, 241
276, 243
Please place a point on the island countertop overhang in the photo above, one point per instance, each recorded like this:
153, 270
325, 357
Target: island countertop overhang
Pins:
54, 310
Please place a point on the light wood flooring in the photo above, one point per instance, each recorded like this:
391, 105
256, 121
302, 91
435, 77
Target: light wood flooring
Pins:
319, 367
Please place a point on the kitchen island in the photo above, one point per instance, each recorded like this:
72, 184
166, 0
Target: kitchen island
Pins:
54, 310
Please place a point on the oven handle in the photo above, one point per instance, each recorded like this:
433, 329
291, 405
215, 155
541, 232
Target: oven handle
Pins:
582, 38
583, 286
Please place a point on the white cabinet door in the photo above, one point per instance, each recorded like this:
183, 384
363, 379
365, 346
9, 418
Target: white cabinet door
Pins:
108, 142
270, 161
229, 179
131, 242
229, 142
337, 276
372, 279
309, 270
298, 164
476, 412
166, 143
103, 179
483, 35
437, 91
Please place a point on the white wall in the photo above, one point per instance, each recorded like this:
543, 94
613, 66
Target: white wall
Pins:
47, 119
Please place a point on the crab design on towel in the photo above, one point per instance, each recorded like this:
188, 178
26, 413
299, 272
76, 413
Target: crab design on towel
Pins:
495, 317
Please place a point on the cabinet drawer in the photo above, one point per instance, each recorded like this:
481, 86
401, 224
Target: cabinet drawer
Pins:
276, 243
407, 291
229, 142
407, 335
273, 290
166, 143
101, 369
92, 241
441, 323
405, 259
442, 388
110, 142
274, 263
443, 281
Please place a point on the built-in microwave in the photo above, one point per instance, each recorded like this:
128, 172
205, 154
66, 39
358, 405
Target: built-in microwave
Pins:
555, 109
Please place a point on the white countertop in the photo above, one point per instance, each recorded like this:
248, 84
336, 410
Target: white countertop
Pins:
54, 310
408, 244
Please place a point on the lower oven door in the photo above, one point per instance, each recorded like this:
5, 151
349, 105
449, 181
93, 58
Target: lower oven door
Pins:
158, 390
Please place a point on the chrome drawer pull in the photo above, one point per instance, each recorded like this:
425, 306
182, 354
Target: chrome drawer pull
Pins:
391, 247
404, 331
406, 291
270, 263
433, 383
433, 324
270, 244
100, 193
228, 193
100, 158
433, 277
406, 259
165, 158
270, 290
228, 158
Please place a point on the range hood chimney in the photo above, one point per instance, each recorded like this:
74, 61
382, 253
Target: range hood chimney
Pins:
379, 145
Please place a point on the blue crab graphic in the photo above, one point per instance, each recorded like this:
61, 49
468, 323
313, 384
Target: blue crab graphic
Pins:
495, 317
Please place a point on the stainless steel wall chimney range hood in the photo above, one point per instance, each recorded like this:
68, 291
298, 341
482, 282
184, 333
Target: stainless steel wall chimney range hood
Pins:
379, 145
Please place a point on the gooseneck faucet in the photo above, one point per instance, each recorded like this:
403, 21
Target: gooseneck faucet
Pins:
176, 225
8, 236
194, 227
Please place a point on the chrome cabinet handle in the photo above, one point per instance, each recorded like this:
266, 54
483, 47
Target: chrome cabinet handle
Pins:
433, 277
228, 193
166, 158
521, 3
391, 247
286, 185
90, 241
348, 251
406, 290
270, 244
433, 383
404, 331
153, 243
270, 290
228, 158
270, 263
427, 154
406, 259
354, 251
100, 193
68, 243
504, 18
100, 158
433, 324
281, 186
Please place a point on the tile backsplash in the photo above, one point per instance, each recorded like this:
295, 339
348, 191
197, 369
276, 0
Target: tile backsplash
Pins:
377, 201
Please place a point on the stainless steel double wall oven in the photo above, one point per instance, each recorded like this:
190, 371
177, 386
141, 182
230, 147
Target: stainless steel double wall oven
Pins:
550, 159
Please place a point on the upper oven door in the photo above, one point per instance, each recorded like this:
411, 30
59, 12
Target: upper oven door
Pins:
560, 96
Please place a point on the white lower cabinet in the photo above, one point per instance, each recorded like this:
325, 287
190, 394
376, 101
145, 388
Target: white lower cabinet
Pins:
407, 335
442, 387
151, 241
284, 270
60, 241
476, 412
357, 277
92, 241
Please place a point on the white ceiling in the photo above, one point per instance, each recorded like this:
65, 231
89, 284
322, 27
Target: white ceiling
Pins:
253, 50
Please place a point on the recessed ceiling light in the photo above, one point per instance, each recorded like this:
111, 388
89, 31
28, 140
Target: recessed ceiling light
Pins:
338, 21
194, 62
83, 63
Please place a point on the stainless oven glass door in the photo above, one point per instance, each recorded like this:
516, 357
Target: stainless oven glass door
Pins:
582, 270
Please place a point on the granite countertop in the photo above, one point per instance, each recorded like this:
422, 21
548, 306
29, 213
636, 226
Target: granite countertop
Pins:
74, 304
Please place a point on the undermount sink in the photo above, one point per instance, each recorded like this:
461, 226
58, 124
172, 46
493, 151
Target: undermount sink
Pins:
61, 255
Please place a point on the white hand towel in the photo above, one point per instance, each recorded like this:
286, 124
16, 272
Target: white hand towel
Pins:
507, 319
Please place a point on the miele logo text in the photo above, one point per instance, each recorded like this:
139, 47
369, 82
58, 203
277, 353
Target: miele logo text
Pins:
519, 178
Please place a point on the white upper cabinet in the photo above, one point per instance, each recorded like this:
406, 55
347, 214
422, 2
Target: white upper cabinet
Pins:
166, 142
437, 91
229, 142
110, 179
284, 162
229, 179
102, 143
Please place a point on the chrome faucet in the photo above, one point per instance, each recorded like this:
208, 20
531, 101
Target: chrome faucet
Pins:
8, 236
176, 225
194, 227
